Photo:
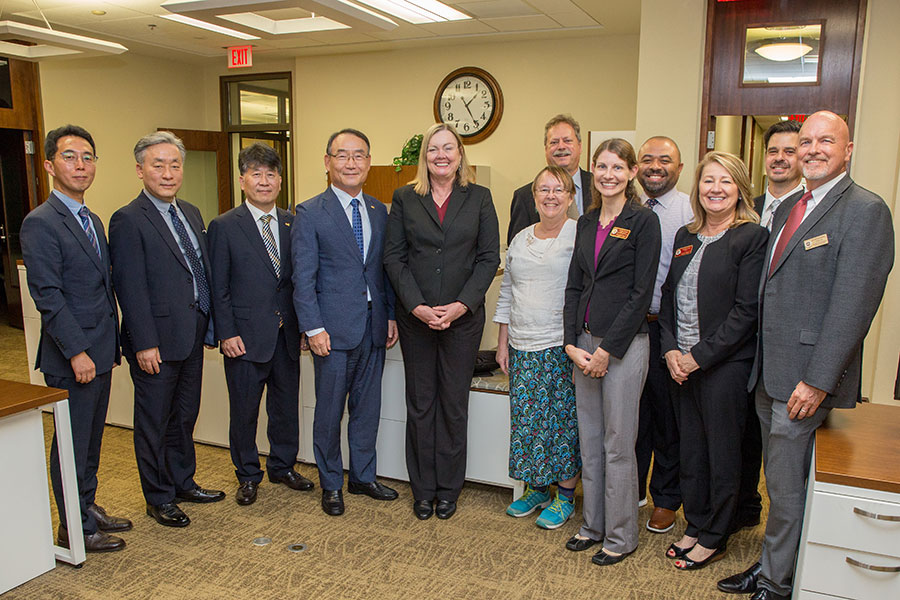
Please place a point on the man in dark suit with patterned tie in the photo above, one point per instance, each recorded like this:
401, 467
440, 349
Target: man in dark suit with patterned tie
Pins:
67, 258
346, 307
252, 293
160, 268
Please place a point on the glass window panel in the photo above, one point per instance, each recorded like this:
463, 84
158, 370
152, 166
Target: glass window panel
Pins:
200, 186
782, 54
259, 102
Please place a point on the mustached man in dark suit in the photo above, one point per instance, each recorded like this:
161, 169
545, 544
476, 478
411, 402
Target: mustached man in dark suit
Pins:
65, 252
161, 274
346, 308
252, 290
827, 263
562, 146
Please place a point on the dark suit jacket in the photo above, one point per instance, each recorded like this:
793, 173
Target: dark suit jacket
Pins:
759, 203
72, 289
621, 287
727, 294
433, 263
248, 299
330, 279
819, 302
522, 212
153, 280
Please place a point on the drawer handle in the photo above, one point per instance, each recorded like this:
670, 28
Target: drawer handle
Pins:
878, 568
871, 515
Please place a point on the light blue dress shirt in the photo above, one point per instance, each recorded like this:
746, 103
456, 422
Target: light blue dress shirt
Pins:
74, 206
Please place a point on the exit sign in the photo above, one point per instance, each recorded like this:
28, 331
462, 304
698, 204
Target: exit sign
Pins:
240, 56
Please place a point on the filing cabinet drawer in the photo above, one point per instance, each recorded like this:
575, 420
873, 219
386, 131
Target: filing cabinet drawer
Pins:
855, 523
828, 572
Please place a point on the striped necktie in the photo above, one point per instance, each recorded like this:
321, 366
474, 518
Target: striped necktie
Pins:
85, 215
269, 241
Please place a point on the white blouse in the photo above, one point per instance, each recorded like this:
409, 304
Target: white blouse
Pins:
533, 290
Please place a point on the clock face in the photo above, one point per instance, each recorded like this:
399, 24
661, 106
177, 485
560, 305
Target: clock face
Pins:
467, 102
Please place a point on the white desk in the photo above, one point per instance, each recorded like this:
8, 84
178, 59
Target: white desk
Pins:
26, 547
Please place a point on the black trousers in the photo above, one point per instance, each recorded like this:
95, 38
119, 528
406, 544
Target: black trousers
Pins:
438, 367
658, 432
166, 406
246, 380
87, 412
711, 408
749, 499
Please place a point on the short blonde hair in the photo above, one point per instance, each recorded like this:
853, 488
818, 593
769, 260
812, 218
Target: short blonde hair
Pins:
743, 212
557, 173
464, 175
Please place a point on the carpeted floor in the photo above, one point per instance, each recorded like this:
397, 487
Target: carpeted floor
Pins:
376, 550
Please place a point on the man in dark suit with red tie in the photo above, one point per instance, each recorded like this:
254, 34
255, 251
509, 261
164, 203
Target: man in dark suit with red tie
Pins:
252, 292
65, 253
827, 263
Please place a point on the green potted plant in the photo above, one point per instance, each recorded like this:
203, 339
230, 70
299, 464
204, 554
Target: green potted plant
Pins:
410, 153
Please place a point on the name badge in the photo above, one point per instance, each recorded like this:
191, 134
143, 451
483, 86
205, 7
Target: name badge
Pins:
684, 250
620, 232
287, 224
815, 242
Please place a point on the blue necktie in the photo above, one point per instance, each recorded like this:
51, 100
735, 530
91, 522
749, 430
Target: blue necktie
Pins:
651, 202
357, 226
187, 247
85, 215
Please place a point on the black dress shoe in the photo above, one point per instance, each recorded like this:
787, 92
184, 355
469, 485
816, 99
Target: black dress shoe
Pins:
107, 522
95, 542
168, 514
766, 594
246, 493
375, 490
742, 583
423, 509
604, 560
333, 502
293, 480
577, 544
199, 495
445, 509
692, 565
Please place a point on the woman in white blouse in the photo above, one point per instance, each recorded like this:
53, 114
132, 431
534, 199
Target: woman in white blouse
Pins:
543, 447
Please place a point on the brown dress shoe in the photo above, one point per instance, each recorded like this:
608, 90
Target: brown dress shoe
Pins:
662, 520
95, 542
108, 523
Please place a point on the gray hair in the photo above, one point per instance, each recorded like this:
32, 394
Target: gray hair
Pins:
152, 139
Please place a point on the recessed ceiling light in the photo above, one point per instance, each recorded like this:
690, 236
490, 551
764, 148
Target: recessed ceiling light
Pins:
209, 27
283, 26
98, 13
784, 51
415, 11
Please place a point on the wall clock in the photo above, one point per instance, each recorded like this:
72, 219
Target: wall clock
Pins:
471, 99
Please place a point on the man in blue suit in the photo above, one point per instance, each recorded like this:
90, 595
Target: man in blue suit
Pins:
160, 268
252, 290
65, 252
346, 307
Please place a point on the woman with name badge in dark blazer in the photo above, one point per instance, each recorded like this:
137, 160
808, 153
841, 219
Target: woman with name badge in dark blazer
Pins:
608, 294
442, 250
708, 321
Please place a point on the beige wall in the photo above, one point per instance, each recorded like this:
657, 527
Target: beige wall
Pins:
876, 166
389, 96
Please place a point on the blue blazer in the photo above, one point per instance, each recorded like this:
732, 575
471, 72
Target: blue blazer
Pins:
330, 279
153, 281
72, 289
248, 299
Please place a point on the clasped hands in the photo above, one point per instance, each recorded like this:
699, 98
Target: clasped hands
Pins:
680, 365
440, 317
594, 365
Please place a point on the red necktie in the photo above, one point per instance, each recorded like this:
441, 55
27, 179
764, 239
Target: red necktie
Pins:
793, 222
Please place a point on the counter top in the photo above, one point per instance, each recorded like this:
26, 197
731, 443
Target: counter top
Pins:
18, 397
860, 447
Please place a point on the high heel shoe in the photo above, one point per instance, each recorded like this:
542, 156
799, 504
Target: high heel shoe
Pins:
675, 552
692, 565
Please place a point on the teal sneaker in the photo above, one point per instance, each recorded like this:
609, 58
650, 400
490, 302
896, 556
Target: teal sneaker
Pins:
557, 513
529, 502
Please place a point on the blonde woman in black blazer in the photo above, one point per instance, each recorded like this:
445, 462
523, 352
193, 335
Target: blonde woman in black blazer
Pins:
442, 250
608, 294
708, 316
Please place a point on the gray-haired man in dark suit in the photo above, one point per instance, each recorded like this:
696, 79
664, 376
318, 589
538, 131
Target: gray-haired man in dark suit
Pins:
827, 263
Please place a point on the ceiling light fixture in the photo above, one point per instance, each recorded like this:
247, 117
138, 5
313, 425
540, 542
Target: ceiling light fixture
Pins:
209, 26
783, 51
415, 11
49, 43
283, 26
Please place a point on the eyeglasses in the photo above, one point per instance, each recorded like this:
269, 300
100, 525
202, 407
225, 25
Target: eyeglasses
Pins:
343, 157
71, 157
546, 191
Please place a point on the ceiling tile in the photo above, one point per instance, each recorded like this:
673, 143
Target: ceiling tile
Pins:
458, 27
486, 9
522, 23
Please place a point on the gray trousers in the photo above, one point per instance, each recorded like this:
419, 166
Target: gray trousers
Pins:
607, 428
787, 449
